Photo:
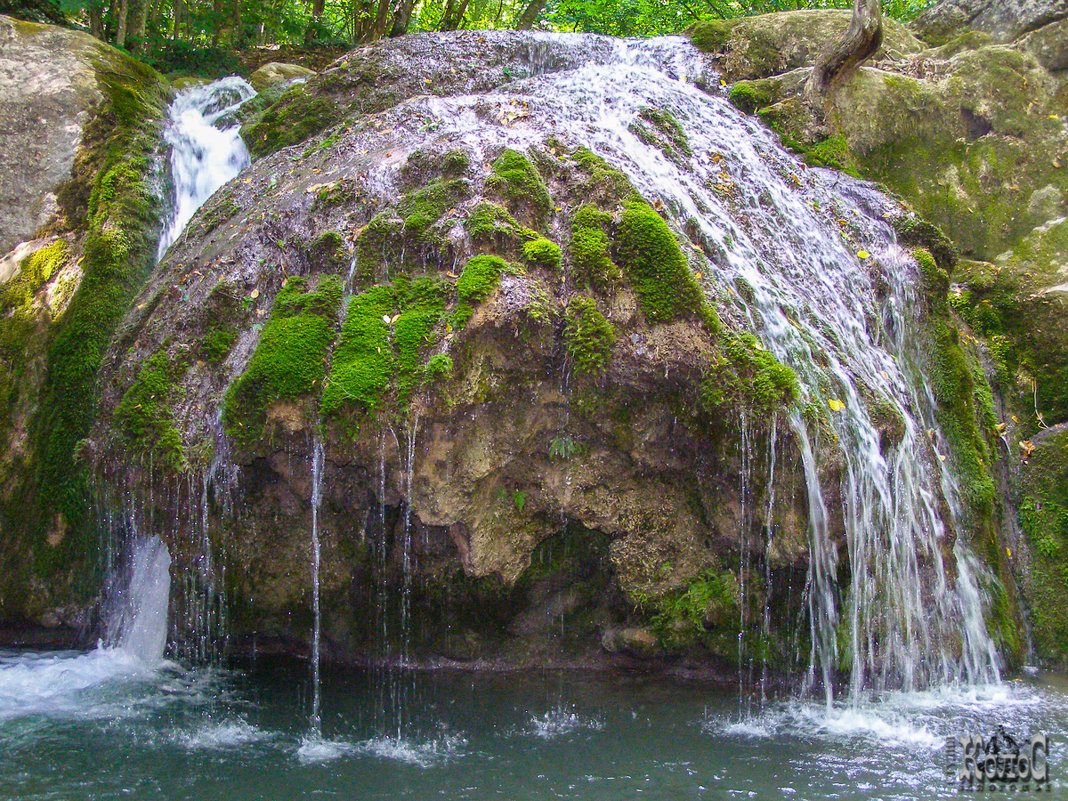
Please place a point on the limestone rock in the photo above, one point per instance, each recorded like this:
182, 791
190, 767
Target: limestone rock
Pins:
48, 89
275, 72
1005, 20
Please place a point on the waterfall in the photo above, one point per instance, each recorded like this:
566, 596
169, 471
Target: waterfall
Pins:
139, 625
204, 156
784, 251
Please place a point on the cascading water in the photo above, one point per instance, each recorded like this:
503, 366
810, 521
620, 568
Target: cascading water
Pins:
61, 684
203, 155
203, 158
792, 273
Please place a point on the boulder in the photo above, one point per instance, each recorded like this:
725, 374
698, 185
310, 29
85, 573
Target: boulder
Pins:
275, 73
1004, 20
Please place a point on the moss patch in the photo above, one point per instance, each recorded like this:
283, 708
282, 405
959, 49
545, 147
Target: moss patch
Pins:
143, 416
289, 362
655, 266
518, 182
479, 278
542, 253
744, 374
589, 336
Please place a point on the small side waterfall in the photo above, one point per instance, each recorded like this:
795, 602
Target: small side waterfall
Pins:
139, 625
204, 156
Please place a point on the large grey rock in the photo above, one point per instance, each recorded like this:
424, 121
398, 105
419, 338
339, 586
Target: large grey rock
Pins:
1005, 20
42, 113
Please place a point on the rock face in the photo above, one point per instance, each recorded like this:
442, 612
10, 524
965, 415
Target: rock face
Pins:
971, 133
512, 388
78, 212
47, 90
1004, 20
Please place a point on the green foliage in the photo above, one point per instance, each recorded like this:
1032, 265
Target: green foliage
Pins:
143, 416
589, 336
564, 448
479, 278
516, 179
438, 367
655, 266
328, 253
289, 362
542, 253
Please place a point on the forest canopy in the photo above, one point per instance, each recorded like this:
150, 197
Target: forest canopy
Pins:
200, 35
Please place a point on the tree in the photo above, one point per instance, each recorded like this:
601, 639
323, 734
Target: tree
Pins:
841, 59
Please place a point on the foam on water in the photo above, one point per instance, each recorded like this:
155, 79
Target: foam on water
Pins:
63, 683
229, 733
414, 752
560, 722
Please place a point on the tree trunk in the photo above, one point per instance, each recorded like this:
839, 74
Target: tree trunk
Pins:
454, 15
120, 23
838, 62
312, 31
403, 18
135, 30
530, 15
96, 18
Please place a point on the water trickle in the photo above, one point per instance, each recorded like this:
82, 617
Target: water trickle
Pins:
206, 147
318, 457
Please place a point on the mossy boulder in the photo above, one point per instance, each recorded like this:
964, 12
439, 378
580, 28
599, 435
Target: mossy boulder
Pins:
771, 44
274, 73
87, 205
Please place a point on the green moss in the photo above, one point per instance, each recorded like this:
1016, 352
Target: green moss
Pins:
479, 278
382, 349
655, 266
959, 396
710, 35
705, 611
377, 245
542, 253
328, 253
588, 335
605, 185
751, 96
120, 216
34, 272
1044, 519
296, 116
518, 182
143, 416
363, 360
289, 362
492, 228
743, 373
591, 265
833, 152
424, 207
663, 132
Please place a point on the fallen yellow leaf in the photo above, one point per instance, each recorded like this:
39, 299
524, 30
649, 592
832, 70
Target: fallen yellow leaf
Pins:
836, 405
863, 254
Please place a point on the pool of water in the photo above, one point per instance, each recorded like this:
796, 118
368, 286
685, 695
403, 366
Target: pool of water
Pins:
102, 726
